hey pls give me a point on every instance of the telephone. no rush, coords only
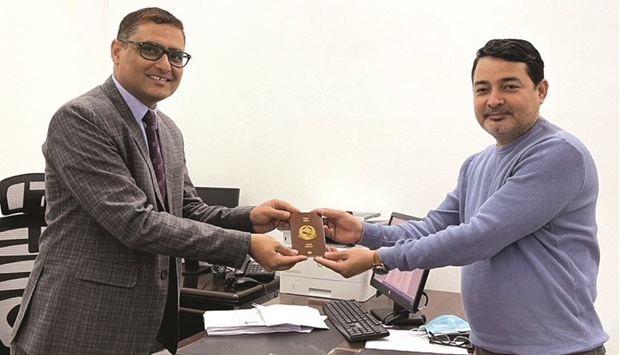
(254, 270)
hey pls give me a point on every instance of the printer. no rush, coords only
(309, 278)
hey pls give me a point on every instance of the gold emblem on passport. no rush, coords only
(307, 232)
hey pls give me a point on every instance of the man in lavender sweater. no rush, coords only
(521, 221)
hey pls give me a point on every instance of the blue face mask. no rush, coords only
(447, 324)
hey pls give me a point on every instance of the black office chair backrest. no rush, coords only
(22, 197)
(22, 202)
(23, 194)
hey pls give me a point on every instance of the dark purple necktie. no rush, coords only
(168, 334)
(155, 151)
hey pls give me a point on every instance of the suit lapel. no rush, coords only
(136, 133)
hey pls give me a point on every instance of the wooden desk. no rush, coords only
(318, 342)
(204, 292)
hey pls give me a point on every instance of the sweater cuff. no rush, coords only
(371, 236)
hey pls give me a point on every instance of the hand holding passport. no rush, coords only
(307, 235)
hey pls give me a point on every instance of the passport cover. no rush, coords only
(307, 235)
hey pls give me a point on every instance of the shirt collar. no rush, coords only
(138, 109)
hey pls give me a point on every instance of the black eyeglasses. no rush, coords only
(460, 341)
(153, 52)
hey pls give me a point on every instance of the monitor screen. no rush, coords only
(404, 288)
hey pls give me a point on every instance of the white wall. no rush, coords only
(352, 104)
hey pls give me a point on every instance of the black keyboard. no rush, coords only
(353, 321)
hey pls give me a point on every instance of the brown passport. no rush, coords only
(307, 234)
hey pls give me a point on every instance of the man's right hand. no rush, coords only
(347, 263)
(273, 255)
(341, 226)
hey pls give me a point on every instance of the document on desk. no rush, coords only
(264, 319)
(408, 340)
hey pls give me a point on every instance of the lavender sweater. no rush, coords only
(521, 222)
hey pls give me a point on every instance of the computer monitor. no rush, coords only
(219, 196)
(404, 288)
(212, 196)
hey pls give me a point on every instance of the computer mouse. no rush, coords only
(245, 281)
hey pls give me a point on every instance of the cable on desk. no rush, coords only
(265, 289)
(425, 301)
(377, 294)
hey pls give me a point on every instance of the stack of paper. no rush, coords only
(264, 319)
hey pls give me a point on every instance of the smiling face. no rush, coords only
(149, 81)
(506, 101)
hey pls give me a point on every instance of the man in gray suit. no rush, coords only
(105, 281)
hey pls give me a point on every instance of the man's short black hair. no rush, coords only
(130, 23)
(514, 50)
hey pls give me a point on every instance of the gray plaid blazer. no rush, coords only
(99, 283)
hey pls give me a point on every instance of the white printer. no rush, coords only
(309, 278)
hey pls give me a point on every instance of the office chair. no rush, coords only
(22, 203)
